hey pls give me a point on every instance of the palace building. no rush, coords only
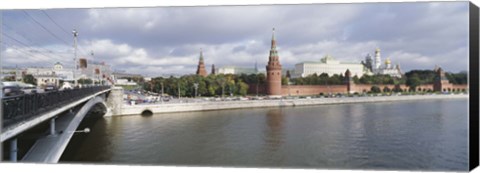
(329, 66)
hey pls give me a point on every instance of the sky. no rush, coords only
(167, 40)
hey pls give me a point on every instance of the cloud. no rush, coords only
(167, 40)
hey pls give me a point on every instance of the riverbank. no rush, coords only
(221, 105)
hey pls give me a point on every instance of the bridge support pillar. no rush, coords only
(13, 150)
(52, 126)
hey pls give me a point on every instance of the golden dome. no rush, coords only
(388, 61)
(377, 50)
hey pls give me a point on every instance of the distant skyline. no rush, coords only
(166, 40)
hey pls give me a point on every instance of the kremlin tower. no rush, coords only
(274, 71)
(201, 66)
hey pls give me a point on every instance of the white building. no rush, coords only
(235, 70)
(95, 71)
(386, 69)
(329, 66)
(43, 80)
(125, 82)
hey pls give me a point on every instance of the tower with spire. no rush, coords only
(213, 69)
(369, 62)
(201, 66)
(378, 61)
(274, 70)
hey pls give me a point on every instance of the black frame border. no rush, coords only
(473, 88)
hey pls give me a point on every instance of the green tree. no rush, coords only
(9, 78)
(375, 89)
(356, 79)
(386, 89)
(85, 81)
(284, 80)
(414, 81)
(242, 88)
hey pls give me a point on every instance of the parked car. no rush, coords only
(50, 87)
(12, 91)
(66, 85)
(29, 88)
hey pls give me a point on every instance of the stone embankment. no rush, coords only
(220, 105)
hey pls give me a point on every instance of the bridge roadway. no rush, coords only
(48, 149)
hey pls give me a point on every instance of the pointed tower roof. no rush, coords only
(273, 34)
(201, 66)
(274, 44)
(201, 55)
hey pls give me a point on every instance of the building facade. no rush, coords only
(329, 66)
(95, 71)
(378, 68)
(235, 70)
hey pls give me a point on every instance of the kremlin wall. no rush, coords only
(274, 88)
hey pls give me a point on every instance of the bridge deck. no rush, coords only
(21, 127)
(50, 148)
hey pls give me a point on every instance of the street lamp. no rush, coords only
(195, 85)
(75, 34)
(86, 130)
(178, 85)
(223, 87)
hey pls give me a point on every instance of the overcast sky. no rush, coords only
(166, 40)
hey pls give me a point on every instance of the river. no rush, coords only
(405, 135)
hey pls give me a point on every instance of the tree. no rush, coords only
(375, 89)
(414, 81)
(397, 89)
(242, 88)
(386, 89)
(9, 78)
(85, 81)
(284, 80)
(421, 76)
(457, 78)
(356, 79)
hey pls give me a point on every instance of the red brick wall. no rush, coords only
(295, 90)
(453, 87)
(252, 89)
(367, 87)
(317, 89)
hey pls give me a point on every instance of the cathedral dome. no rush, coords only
(387, 62)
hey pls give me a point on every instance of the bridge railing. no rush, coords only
(22, 107)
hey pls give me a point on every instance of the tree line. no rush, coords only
(412, 79)
(229, 84)
(195, 85)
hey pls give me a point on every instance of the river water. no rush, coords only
(406, 135)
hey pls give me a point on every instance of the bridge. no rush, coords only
(57, 113)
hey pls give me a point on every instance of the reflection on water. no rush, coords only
(274, 136)
(418, 135)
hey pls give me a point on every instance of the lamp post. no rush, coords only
(195, 85)
(178, 85)
(86, 130)
(223, 87)
(162, 88)
(75, 35)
